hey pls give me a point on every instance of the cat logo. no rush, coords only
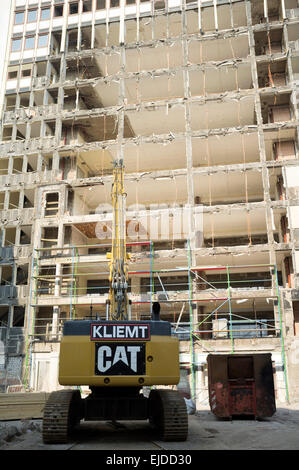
(120, 359)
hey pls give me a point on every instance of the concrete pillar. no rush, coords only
(201, 280)
(55, 322)
(57, 288)
(135, 285)
(204, 326)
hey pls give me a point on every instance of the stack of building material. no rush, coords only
(22, 405)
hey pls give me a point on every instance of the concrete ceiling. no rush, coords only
(235, 223)
(293, 34)
(159, 190)
(225, 150)
(212, 80)
(153, 156)
(214, 150)
(160, 120)
(222, 79)
(155, 88)
(168, 57)
(171, 25)
(223, 15)
(212, 115)
(109, 64)
(277, 135)
(154, 57)
(143, 157)
(229, 187)
(97, 160)
(146, 191)
(107, 92)
(216, 115)
(222, 49)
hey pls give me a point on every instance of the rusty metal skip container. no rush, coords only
(241, 384)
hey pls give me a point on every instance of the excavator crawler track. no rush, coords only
(168, 414)
(61, 414)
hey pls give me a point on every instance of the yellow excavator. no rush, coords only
(117, 357)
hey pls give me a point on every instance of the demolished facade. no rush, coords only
(200, 100)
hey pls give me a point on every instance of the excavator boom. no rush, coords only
(118, 279)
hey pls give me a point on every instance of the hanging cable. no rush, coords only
(176, 198)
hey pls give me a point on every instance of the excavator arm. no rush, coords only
(118, 303)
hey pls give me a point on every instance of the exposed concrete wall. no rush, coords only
(44, 375)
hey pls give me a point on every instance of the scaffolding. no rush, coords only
(222, 294)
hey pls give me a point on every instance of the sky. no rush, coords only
(4, 23)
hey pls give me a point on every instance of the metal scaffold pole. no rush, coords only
(191, 324)
(281, 336)
(75, 282)
(28, 360)
(72, 281)
(151, 272)
(28, 323)
(230, 310)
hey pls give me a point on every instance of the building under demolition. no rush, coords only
(200, 100)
